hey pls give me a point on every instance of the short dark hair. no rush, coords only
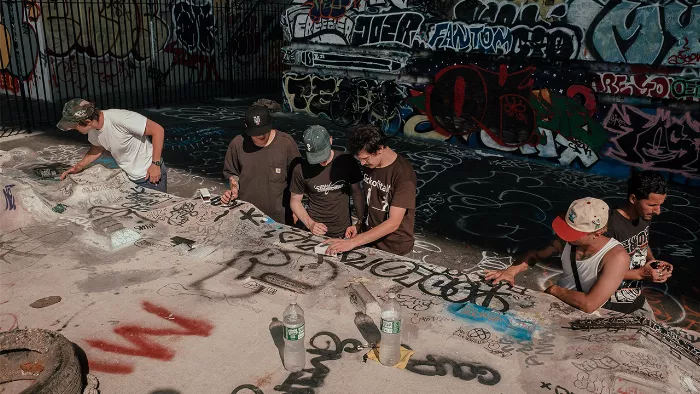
(368, 137)
(643, 183)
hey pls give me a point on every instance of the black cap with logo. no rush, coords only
(257, 121)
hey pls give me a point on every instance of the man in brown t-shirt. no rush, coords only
(390, 187)
(327, 177)
(257, 165)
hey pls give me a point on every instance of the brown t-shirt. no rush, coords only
(262, 172)
(393, 185)
(328, 189)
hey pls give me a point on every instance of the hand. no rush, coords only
(318, 228)
(153, 174)
(351, 232)
(550, 289)
(496, 276)
(665, 267)
(336, 245)
(229, 195)
(73, 170)
(656, 275)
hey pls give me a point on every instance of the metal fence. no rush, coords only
(132, 54)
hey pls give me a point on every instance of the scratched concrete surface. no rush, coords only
(165, 293)
(475, 207)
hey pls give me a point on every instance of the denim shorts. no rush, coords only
(161, 186)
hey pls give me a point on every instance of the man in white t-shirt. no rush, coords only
(593, 264)
(122, 133)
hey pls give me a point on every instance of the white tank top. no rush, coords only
(587, 269)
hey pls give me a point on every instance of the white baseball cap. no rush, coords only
(584, 216)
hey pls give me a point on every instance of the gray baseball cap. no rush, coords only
(318, 144)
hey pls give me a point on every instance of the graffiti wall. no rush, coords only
(600, 85)
(67, 48)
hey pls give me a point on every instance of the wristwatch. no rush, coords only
(158, 163)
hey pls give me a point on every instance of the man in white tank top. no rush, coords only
(600, 262)
(125, 135)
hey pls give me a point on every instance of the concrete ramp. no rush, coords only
(168, 293)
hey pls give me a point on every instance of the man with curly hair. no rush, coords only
(390, 188)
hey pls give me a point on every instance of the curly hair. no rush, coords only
(644, 183)
(367, 137)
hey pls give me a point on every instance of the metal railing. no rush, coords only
(132, 54)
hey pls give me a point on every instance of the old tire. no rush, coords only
(61, 372)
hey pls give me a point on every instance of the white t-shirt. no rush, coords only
(123, 136)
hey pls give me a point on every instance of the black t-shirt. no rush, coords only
(328, 190)
(391, 186)
(262, 172)
(634, 236)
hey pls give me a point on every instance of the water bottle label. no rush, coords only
(391, 327)
(294, 334)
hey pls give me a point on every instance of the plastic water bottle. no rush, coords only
(294, 351)
(390, 346)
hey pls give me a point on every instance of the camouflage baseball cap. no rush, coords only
(75, 111)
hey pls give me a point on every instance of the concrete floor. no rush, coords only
(473, 206)
(475, 211)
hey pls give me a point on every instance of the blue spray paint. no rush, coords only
(510, 325)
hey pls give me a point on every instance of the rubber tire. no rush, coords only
(62, 373)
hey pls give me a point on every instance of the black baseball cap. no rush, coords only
(257, 121)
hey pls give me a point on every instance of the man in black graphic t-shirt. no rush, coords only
(389, 183)
(629, 224)
(328, 178)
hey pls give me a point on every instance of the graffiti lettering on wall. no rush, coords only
(457, 103)
(510, 13)
(298, 25)
(387, 62)
(542, 122)
(533, 31)
(309, 93)
(656, 86)
(654, 139)
(646, 32)
(195, 26)
(396, 28)
(520, 31)
(323, 9)
(566, 132)
(118, 29)
(684, 57)
(142, 344)
(459, 36)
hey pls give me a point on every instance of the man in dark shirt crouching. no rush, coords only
(257, 166)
